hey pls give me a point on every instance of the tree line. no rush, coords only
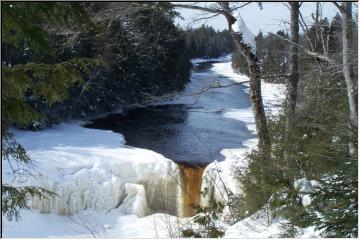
(205, 42)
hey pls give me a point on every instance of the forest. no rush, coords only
(120, 120)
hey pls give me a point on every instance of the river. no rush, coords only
(191, 132)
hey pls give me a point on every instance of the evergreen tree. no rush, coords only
(25, 26)
(205, 42)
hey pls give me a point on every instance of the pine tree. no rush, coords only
(26, 25)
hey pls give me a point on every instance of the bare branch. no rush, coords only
(306, 30)
(194, 20)
(233, 9)
(341, 9)
(226, 12)
(194, 7)
(307, 51)
(286, 5)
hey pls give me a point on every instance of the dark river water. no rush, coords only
(192, 133)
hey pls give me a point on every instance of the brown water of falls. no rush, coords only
(191, 177)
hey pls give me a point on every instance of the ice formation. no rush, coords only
(93, 169)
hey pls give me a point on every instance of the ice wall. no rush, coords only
(219, 178)
(93, 169)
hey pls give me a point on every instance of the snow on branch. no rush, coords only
(240, 27)
(236, 23)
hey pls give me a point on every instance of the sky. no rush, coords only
(273, 17)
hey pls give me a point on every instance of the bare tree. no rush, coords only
(238, 34)
(293, 72)
(351, 81)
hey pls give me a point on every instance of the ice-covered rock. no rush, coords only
(219, 181)
(135, 200)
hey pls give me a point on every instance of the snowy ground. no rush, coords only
(90, 224)
(259, 226)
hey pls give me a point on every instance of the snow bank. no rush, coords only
(255, 226)
(225, 69)
(93, 169)
(273, 94)
(219, 177)
(260, 225)
(90, 224)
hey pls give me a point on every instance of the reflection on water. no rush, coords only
(193, 134)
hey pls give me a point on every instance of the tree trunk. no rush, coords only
(255, 94)
(293, 75)
(255, 84)
(351, 82)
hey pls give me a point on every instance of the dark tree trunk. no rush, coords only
(255, 84)
(255, 93)
(293, 74)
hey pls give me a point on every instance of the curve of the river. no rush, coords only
(192, 132)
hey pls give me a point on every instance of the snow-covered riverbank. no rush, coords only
(219, 176)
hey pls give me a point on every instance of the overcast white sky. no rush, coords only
(271, 18)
